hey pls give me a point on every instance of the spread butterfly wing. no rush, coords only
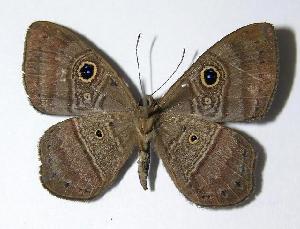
(210, 164)
(234, 80)
(64, 75)
(82, 156)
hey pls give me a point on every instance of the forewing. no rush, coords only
(82, 156)
(65, 75)
(245, 63)
(210, 164)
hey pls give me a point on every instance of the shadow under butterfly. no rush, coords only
(210, 164)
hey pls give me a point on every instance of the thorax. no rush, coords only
(146, 118)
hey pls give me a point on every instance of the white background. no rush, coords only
(113, 26)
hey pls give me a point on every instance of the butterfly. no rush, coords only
(210, 164)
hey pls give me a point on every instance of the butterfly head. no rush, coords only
(149, 104)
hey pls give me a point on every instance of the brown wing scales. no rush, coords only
(82, 156)
(245, 63)
(210, 164)
(64, 75)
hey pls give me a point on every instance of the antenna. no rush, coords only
(172, 73)
(150, 62)
(138, 65)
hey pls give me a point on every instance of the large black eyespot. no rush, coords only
(210, 76)
(87, 71)
(193, 138)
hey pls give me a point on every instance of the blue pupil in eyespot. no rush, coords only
(210, 76)
(87, 71)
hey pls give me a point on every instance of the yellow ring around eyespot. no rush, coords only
(202, 76)
(94, 73)
(195, 141)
